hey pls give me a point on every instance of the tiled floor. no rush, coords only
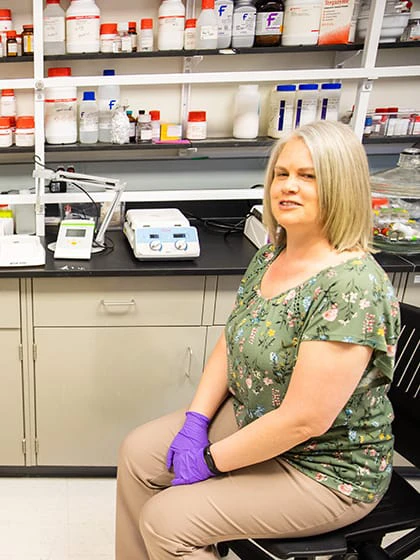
(60, 519)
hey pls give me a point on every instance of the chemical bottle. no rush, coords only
(25, 216)
(6, 136)
(60, 110)
(54, 28)
(12, 49)
(206, 31)
(6, 220)
(132, 121)
(224, 14)
(189, 34)
(243, 24)
(329, 102)
(146, 35)
(82, 27)
(246, 112)
(132, 31)
(306, 104)
(88, 119)
(171, 18)
(155, 119)
(269, 26)
(8, 103)
(144, 128)
(282, 110)
(108, 99)
(301, 22)
(126, 46)
(5, 25)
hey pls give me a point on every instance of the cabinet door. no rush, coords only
(11, 401)
(227, 287)
(93, 385)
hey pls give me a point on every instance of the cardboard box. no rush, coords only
(338, 22)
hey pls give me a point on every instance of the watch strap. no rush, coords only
(211, 465)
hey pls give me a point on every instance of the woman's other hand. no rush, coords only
(190, 466)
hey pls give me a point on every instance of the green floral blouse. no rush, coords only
(351, 302)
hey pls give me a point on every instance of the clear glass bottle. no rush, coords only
(144, 128)
(54, 28)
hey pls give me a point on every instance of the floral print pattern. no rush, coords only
(351, 302)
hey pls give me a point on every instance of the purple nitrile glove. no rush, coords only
(192, 435)
(190, 467)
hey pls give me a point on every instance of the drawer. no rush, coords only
(119, 301)
(227, 286)
(9, 303)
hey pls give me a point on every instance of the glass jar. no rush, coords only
(27, 40)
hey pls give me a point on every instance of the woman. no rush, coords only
(293, 397)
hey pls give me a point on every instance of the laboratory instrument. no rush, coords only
(21, 250)
(161, 234)
(75, 239)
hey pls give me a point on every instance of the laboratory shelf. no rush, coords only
(409, 138)
(26, 58)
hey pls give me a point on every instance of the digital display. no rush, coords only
(154, 236)
(75, 233)
(179, 235)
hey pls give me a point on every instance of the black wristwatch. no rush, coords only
(211, 465)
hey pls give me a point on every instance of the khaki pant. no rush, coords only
(272, 499)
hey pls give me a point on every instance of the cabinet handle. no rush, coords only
(108, 303)
(188, 370)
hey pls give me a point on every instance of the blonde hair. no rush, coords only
(342, 175)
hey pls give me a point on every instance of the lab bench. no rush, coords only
(91, 349)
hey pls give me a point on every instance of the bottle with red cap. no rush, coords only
(11, 43)
(196, 125)
(206, 34)
(5, 25)
(155, 120)
(146, 34)
(60, 110)
(132, 31)
(54, 28)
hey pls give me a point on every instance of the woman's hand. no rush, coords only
(190, 467)
(192, 436)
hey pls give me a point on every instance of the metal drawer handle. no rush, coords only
(188, 370)
(108, 303)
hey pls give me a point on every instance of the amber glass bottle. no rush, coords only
(269, 25)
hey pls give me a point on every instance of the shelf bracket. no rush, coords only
(341, 58)
(361, 106)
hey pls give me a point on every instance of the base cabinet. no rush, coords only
(93, 385)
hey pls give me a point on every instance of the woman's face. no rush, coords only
(294, 189)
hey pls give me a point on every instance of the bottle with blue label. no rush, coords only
(306, 104)
(224, 13)
(329, 102)
(108, 99)
(269, 25)
(243, 26)
(282, 110)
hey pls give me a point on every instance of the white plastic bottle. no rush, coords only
(282, 110)
(88, 119)
(243, 25)
(306, 104)
(54, 28)
(171, 21)
(82, 27)
(246, 112)
(206, 31)
(301, 22)
(224, 14)
(108, 99)
(60, 110)
(329, 102)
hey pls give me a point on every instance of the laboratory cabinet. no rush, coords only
(12, 439)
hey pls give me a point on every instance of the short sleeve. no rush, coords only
(357, 306)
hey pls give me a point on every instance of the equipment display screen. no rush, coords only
(179, 235)
(76, 233)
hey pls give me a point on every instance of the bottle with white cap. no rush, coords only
(246, 112)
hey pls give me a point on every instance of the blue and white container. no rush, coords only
(282, 110)
(329, 102)
(306, 104)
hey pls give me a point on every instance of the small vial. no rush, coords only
(144, 128)
(146, 34)
(132, 31)
(132, 121)
(189, 34)
(11, 44)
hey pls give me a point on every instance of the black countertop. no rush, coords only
(220, 254)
